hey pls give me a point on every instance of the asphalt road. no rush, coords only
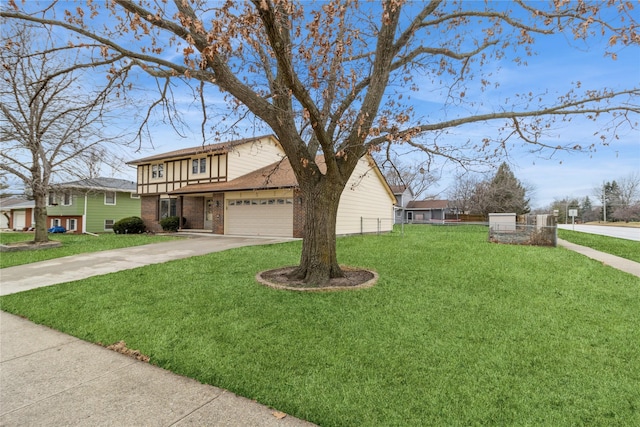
(628, 233)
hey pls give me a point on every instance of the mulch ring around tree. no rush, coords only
(354, 278)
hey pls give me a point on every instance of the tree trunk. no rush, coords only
(40, 215)
(319, 261)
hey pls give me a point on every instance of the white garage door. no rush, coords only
(19, 220)
(260, 217)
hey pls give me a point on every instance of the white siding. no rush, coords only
(248, 157)
(365, 205)
(259, 213)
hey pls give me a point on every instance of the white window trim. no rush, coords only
(105, 224)
(114, 198)
(198, 163)
(75, 227)
(70, 199)
(157, 169)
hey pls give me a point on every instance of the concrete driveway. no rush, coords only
(628, 233)
(76, 267)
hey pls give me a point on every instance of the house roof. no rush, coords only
(428, 204)
(398, 189)
(100, 184)
(223, 147)
(9, 203)
(12, 200)
(276, 175)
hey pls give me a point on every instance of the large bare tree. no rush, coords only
(410, 174)
(335, 77)
(52, 119)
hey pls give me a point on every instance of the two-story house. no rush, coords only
(408, 210)
(403, 195)
(247, 187)
(91, 205)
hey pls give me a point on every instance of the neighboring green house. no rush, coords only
(91, 205)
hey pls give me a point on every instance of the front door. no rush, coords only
(208, 214)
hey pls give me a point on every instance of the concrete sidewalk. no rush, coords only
(51, 379)
(617, 262)
(48, 378)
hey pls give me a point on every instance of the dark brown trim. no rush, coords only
(181, 212)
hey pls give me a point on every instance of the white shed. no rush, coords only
(502, 221)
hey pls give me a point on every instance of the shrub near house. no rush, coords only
(171, 223)
(130, 225)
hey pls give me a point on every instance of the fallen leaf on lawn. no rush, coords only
(279, 415)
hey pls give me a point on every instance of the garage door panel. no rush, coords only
(19, 220)
(260, 218)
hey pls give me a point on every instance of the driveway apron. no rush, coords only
(76, 267)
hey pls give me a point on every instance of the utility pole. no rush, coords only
(604, 202)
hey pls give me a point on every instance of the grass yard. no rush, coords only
(624, 248)
(72, 244)
(458, 331)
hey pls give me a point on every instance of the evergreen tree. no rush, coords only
(610, 199)
(505, 193)
(588, 212)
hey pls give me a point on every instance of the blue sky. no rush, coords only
(560, 61)
(551, 175)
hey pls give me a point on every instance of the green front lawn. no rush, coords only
(458, 331)
(72, 244)
(624, 248)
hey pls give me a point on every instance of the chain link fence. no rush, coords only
(536, 230)
(376, 225)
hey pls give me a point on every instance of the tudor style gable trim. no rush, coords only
(209, 164)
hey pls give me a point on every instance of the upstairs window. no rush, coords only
(199, 166)
(110, 198)
(67, 199)
(51, 200)
(157, 171)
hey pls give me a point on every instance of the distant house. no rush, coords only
(91, 205)
(16, 213)
(427, 210)
(404, 196)
(247, 187)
